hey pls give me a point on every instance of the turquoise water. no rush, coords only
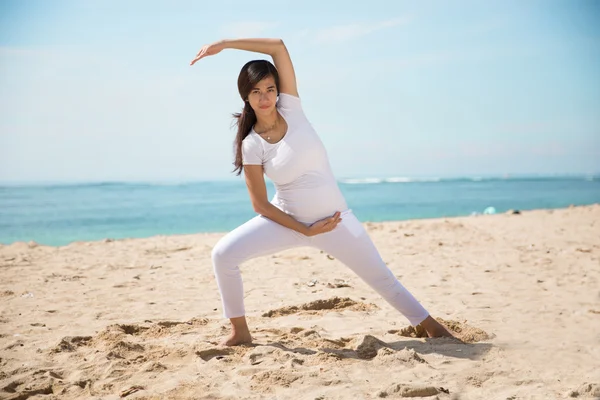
(59, 214)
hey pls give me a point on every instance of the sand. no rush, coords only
(141, 318)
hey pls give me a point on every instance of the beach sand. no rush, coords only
(141, 318)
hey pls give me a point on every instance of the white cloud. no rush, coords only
(246, 29)
(342, 33)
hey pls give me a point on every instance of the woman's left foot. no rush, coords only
(434, 329)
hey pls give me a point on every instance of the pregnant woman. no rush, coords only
(275, 138)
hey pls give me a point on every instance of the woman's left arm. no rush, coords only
(273, 47)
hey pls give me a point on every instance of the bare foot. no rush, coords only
(435, 329)
(240, 334)
(235, 339)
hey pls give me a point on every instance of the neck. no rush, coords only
(263, 122)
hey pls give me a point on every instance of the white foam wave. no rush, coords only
(403, 179)
(362, 181)
(399, 179)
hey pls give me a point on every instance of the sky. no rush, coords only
(96, 90)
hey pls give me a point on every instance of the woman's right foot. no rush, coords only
(235, 339)
(240, 334)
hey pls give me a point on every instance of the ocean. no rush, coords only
(57, 215)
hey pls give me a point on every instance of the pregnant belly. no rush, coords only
(308, 205)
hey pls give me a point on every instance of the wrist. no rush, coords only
(223, 43)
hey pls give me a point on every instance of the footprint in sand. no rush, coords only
(111, 357)
(156, 330)
(259, 354)
(406, 390)
(266, 381)
(318, 350)
(71, 343)
(112, 342)
(214, 352)
(25, 390)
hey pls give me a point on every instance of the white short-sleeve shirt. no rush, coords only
(298, 165)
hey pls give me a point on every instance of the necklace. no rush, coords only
(270, 129)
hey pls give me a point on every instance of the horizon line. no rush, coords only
(338, 179)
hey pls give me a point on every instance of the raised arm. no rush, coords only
(273, 47)
(254, 173)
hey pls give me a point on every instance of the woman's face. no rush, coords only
(263, 96)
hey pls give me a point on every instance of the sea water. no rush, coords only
(59, 214)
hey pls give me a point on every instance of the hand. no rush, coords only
(207, 50)
(325, 225)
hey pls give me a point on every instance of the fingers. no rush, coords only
(332, 222)
(327, 224)
(337, 217)
(196, 59)
(199, 55)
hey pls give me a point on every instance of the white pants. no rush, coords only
(349, 242)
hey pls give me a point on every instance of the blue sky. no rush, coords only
(103, 90)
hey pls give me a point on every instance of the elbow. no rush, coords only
(278, 47)
(260, 207)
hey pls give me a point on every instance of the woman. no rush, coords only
(275, 138)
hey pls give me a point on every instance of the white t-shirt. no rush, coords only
(298, 166)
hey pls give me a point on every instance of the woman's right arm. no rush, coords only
(258, 196)
(273, 47)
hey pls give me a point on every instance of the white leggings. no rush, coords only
(349, 242)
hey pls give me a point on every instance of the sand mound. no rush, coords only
(413, 332)
(460, 330)
(587, 390)
(368, 347)
(334, 303)
(406, 357)
(465, 332)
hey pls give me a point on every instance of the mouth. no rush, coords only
(263, 107)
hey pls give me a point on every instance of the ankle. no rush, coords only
(239, 325)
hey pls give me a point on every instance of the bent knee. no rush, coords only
(218, 254)
(226, 255)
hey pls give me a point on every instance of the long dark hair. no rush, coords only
(252, 72)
